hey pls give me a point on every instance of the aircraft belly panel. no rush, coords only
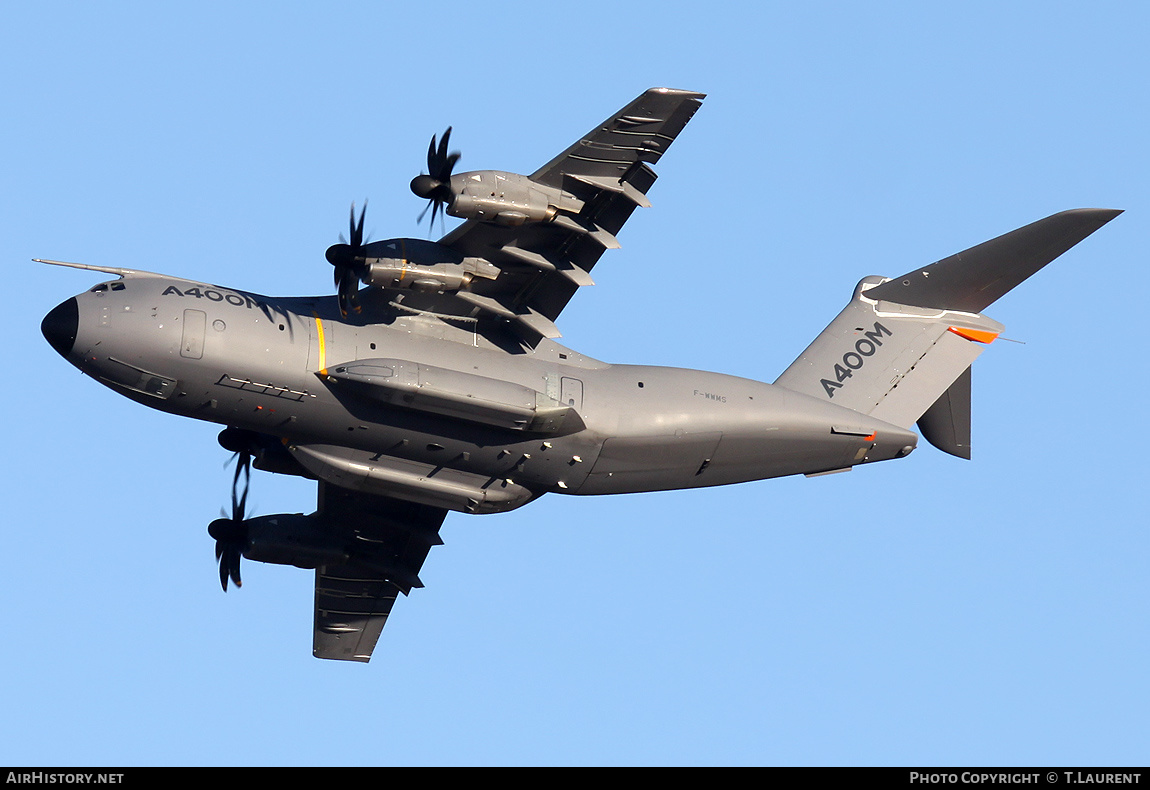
(651, 463)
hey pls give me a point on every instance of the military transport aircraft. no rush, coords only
(440, 386)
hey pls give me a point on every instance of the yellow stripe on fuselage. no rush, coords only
(322, 346)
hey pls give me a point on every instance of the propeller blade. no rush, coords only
(441, 157)
(436, 185)
(223, 568)
(230, 533)
(231, 538)
(350, 267)
(233, 556)
(347, 290)
(449, 165)
(229, 555)
(423, 213)
(245, 467)
(357, 228)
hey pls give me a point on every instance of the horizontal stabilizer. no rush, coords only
(972, 280)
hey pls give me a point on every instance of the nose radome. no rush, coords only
(59, 326)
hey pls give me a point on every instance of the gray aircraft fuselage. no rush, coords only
(419, 408)
(438, 387)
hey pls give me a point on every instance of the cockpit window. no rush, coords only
(102, 287)
(117, 286)
(99, 288)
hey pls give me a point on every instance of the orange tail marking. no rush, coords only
(977, 335)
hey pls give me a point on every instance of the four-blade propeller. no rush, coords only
(435, 187)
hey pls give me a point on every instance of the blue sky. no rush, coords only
(928, 611)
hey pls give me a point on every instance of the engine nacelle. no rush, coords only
(505, 198)
(420, 265)
(291, 539)
(390, 273)
(299, 540)
(268, 452)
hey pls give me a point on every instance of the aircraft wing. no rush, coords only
(389, 540)
(608, 171)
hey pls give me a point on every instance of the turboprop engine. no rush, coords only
(503, 198)
(486, 195)
(405, 263)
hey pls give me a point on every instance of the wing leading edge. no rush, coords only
(388, 541)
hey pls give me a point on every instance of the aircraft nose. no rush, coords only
(59, 326)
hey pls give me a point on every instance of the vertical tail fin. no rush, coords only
(946, 424)
(901, 350)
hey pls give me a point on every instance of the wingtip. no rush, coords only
(678, 92)
(1102, 214)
